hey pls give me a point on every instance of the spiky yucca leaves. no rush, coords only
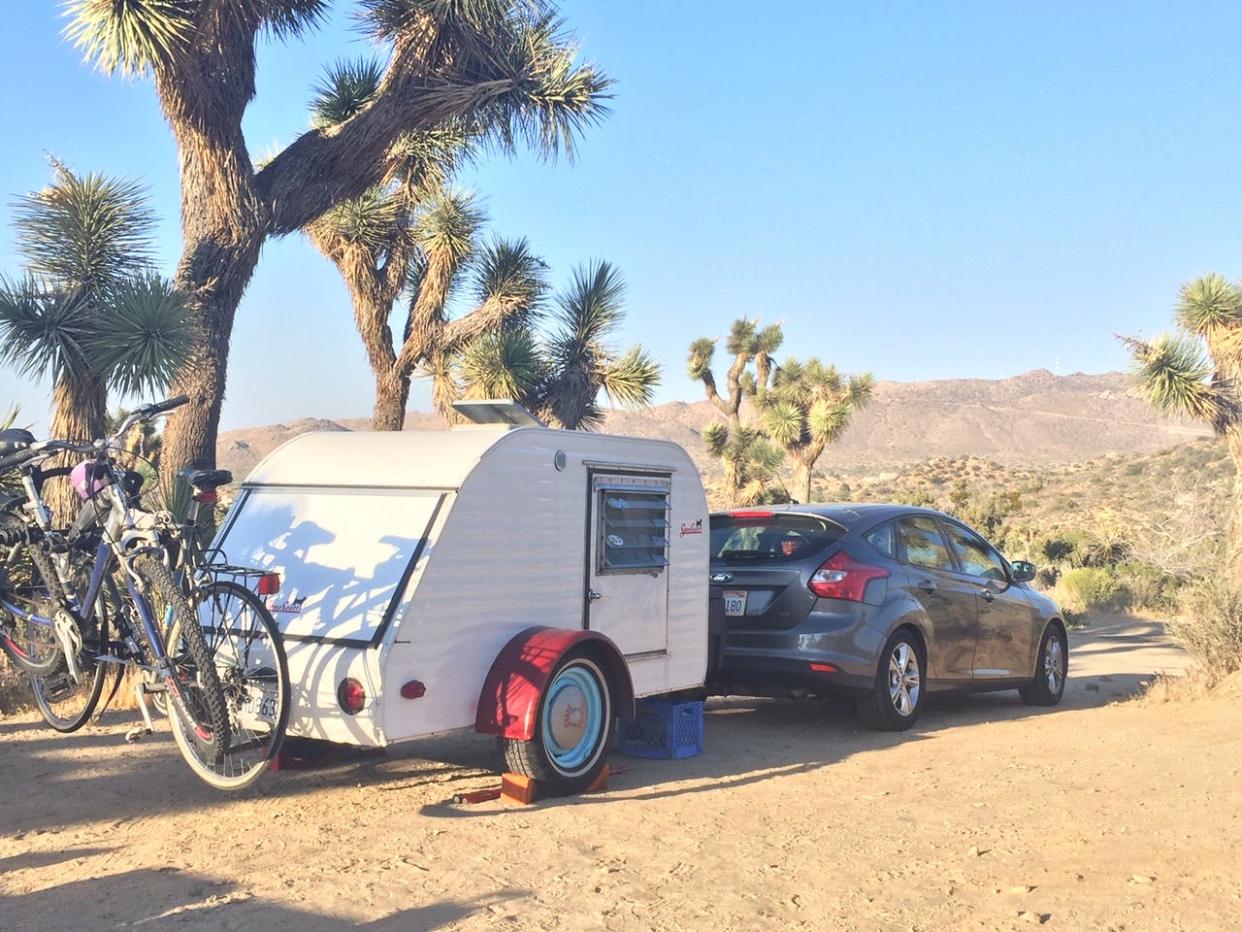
(142, 335)
(1198, 373)
(504, 364)
(1174, 375)
(84, 231)
(581, 361)
(807, 407)
(758, 463)
(346, 87)
(560, 376)
(540, 93)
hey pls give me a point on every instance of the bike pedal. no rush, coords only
(137, 733)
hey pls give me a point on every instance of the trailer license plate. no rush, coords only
(258, 709)
(735, 602)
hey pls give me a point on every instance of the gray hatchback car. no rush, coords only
(884, 603)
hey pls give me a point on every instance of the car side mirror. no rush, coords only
(1023, 571)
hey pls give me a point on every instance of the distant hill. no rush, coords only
(1037, 418)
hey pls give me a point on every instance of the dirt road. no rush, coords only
(1102, 814)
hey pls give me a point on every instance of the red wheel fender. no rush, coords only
(509, 702)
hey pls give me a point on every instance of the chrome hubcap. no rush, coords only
(903, 679)
(1054, 664)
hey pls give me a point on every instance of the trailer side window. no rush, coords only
(633, 530)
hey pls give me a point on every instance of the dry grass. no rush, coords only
(1195, 685)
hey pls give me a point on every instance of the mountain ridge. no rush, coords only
(1036, 417)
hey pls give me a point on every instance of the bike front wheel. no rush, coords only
(249, 657)
(196, 706)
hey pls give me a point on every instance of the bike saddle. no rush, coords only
(14, 440)
(206, 479)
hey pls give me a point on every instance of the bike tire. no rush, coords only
(17, 647)
(55, 694)
(196, 704)
(249, 656)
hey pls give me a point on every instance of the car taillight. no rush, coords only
(351, 696)
(269, 584)
(843, 577)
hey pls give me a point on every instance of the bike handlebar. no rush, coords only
(46, 448)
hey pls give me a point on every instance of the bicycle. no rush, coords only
(242, 640)
(242, 636)
(127, 585)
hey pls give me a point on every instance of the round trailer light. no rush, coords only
(351, 696)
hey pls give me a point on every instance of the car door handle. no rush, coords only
(988, 594)
(927, 585)
(593, 596)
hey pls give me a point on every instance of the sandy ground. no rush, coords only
(1101, 814)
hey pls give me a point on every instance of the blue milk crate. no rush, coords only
(662, 729)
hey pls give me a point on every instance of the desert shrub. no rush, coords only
(1148, 587)
(1046, 577)
(1210, 626)
(1056, 549)
(1090, 587)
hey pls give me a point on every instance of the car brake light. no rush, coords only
(269, 584)
(843, 577)
(351, 696)
(751, 517)
(823, 668)
(413, 690)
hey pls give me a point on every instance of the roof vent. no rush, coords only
(494, 411)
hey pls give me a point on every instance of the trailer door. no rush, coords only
(627, 567)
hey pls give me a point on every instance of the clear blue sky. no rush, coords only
(923, 190)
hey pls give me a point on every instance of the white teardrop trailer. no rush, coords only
(525, 582)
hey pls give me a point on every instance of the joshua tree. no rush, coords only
(1198, 372)
(755, 463)
(746, 344)
(386, 244)
(561, 375)
(807, 407)
(503, 66)
(88, 313)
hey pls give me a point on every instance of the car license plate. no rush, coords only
(259, 709)
(735, 602)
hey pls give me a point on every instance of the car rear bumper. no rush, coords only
(832, 651)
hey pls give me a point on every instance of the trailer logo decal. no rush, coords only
(286, 607)
(696, 528)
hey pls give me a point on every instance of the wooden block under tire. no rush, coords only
(515, 788)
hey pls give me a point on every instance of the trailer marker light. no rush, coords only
(269, 584)
(823, 668)
(351, 696)
(413, 690)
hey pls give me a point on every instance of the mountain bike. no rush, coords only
(127, 586)
(241, 640)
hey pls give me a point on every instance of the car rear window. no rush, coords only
(771, 537)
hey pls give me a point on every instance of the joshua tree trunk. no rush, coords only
(392, 392)
(223, 220)
(802, 478)
(79, 412)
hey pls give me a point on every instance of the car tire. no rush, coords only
(893, 704)
(573, 731)
(1051, 670)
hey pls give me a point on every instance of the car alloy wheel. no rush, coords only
(904, 684)
(1054, 664)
